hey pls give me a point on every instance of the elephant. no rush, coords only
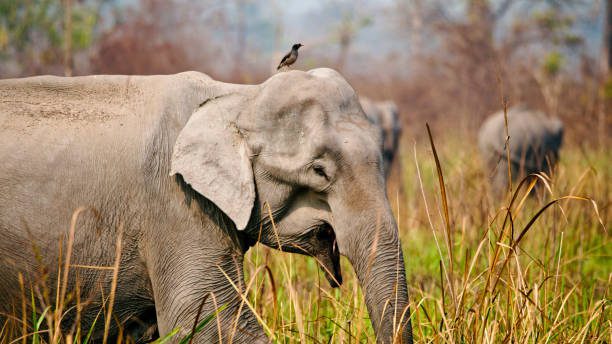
(535, 140)
(385, 116)
(186, 173)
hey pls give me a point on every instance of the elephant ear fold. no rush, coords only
(213, 158)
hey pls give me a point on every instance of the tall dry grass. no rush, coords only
(480, 270)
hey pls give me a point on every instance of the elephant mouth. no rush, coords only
(328, 256)
(320, 242)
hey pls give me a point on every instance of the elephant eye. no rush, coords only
(320, 170)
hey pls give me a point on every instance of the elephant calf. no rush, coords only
(534, 142)
(187, 169)
(385, 116)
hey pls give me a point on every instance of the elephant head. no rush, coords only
(296, 165)
(385, 116)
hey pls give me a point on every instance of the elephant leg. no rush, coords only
(197, 275)
(499, 182)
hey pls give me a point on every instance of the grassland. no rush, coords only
(483, 277)
(546, 281)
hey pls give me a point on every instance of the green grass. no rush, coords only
(553, 287)
(549, 285)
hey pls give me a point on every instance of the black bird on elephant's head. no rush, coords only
(291, 56)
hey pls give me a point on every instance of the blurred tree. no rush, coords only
(607, 40)
(605, 83)
(240, 48)
(416, 26)
(279, 32)
(477, 47)
(160, 37)
(140, 44)
(68, 62)
(347, 31)
(480, 16)
(471, 54)
(32, 34)
(553, 26)
(552, 64)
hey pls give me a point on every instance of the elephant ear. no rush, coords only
(212, 156)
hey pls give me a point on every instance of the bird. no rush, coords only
(291, 56)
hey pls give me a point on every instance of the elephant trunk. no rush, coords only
(375, 252)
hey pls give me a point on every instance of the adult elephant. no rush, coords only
(385, 116)
(187, 169)
(535, 140)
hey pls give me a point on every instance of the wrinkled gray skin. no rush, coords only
(535, 140)
(385, 116)
(187, 167)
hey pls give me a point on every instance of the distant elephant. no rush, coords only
(535, 140)
(187, 169)
(385, 116)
